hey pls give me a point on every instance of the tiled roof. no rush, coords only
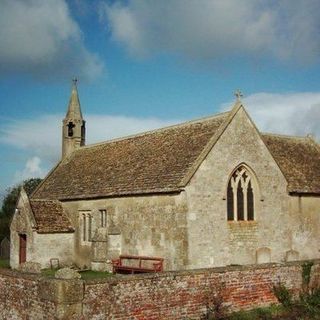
(152, 162)
(299, 161)
(50, 217)
(159, 161)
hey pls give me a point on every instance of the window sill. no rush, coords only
(242, 223)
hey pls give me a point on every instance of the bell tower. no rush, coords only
(73, 125)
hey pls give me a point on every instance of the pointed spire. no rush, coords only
(73, 125)
(74, 109)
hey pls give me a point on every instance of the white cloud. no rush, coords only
(287, 29)
(32, 169)
(290, 113)
(41, 38)
(43, 135)
(40, 138)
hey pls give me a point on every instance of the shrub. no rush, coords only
(283, 295)
(306, 273)
(310, 302)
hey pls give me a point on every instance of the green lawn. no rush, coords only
(306, 307)
(274, 313)
(48, 272)
(271, 313)
(4, 264)
(86, 275)
(89, 275)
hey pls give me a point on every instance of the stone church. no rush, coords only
(209, 192)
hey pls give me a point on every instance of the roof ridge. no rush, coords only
(141, 134)
(281, 135)
(212, 141)
(43, 200)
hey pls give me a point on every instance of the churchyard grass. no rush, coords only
(85, 275)
(48, 272)
(306, 307)
(4, 263)
(90, 275)
(274, 312)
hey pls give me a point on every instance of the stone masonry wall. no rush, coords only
(170, 295)
(147, 225)
(281, 222)
(40, 247)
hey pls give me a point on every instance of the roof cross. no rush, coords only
(238, 94)
(74, 80)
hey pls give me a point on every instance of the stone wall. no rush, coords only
(305, 217)
(143, 225)
(282, 223)
(170, 295)
(42, 247)
(54, 245)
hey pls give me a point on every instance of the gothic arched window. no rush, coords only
(240, 196)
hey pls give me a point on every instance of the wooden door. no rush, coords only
(22, 248)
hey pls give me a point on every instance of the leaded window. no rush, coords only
(240, 196)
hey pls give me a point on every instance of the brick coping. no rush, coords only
(180, 273)
(190, 272)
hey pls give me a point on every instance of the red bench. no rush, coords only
(137, 264)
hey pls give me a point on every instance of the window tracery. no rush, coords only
(240, 196)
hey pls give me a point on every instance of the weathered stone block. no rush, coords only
(30, 267)
(69, 311)
(292, 255)
(67, 273)
(61, 291)
(99, 266)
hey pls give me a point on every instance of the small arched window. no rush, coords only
(70, 126)
(86, 227)
(240, 196)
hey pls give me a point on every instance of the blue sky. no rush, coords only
(144, 64)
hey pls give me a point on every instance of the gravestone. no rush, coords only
(263, 255)
(292, 255)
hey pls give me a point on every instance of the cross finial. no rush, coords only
(74, 81)
(238, 94)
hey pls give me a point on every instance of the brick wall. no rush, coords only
(20, 299)
(170, 295)
(185, 295)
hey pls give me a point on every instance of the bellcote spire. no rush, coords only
(74, 109)
(73, 130)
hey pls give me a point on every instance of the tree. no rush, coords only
(10, 201)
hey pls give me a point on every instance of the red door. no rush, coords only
(22, 248)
